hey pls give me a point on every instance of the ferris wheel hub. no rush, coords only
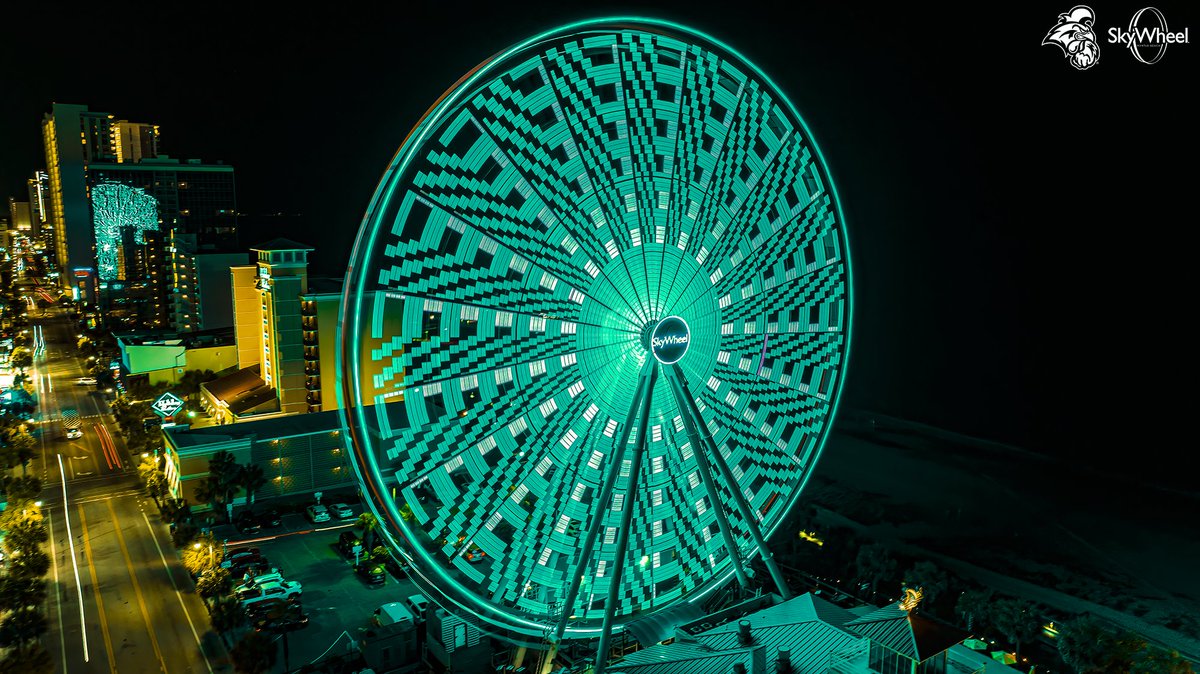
(669, 340)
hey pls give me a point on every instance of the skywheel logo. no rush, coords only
(1147, 36)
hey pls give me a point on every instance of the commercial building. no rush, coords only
(158, 358)
(299, 454)
(806, 635)
(39, 190)
(20, 216)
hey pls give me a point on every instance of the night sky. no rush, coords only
(1022, 233)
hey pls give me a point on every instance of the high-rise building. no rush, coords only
(201, 297)
(19, 216)
(73, 137)
(282, 279)
(38, 186)
(133, 141)
(318, 321)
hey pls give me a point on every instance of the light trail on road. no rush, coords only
(74, 563)
(178, 595)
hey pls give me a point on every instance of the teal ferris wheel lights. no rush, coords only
(604, 198)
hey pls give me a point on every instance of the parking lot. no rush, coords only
(336, 600)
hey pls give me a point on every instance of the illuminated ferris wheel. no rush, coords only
(594, 331)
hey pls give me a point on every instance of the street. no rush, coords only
(119, 600)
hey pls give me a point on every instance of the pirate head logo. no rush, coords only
(1074, 35)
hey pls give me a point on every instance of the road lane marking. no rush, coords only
(87, 549)
(171, 577)
(74, 563)
(62, 636)
(137, 587)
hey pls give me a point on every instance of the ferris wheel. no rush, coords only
(594, 330)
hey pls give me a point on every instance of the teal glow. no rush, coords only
(543, 217)
(116, 208)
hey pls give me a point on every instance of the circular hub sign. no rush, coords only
(669, 341)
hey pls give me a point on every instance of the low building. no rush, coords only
(808, 635)
(238, 396)
(299, 454)
(164, 357)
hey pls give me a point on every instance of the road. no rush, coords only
(120, 600)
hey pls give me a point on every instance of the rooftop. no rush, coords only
(189, 340)
(281, 244)
(324, 286)
(241, 391)
(264, 429)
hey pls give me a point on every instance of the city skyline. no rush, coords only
(988, 261)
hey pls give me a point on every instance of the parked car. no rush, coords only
(317, 514)
(372, 573)
(417, 604)
(268, 607)
(289, 619)
(247, 523)
(260, 579)
(232, 555)
(341, 511)
(397, 567)
(285, 589)
(270, 519)
(346, 542)
(253, 566)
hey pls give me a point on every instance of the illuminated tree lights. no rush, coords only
(596, 329)
(117, 208)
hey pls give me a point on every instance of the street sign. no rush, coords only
(167, 405)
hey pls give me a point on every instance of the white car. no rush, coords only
(341, 511)
(85, 381)
(74, 433)
(285, 589)
(317, 513)
(418, 604)
(258, 581)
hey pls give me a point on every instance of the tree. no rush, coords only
(367, 522)
(222, 482)
(28, 564)
(157, 486)
(1086, 646)
(251, 478)
(20, 627)
(202, 554)
(26, 535)
(226, 615)
(177, 511)
(17, 511)
(34, 660)
(23, 487)
(183, 534)
(20, 448)
(875, 565)
(21, 358)
(973, 606)
(254, 654)
(1016, 620)
(1151, 660)
(19, 593)
(927, 576)
(214, 583)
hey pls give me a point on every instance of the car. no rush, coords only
(247, 523)
(74, 433)
(371, 572)
(252, 565)
(268, 607)
(234, 555)
(397, 567)
(260, 579)
(341, 511)
(85, 381)
(347, 542)
(270, 519)
(288, 619)
(417, 604)
(317, 513)
(288, 590)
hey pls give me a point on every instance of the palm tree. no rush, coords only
(212, 492)
(1017, 621)
(927, 576)
(1087, 646)
(254, 654)
(367, 522)
(19, 593)
(875, 564)
(226, 615)
(223, 480)
(22, 626)
(973, 606)
(251, 478)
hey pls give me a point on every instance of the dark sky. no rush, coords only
(1022, 233)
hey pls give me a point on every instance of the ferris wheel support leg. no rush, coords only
(610, 482)
(709, 485)
(676, 374)
(649, 374)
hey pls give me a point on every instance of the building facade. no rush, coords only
(201, 292)
(163, 358)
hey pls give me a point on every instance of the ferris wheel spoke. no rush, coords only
(516, 312)
(687, 402)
